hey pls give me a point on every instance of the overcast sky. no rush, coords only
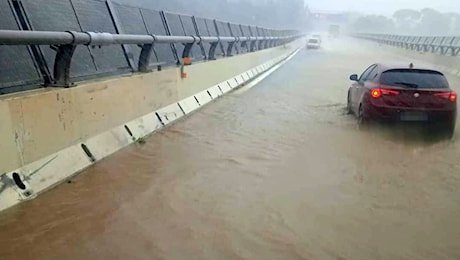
(382, 6)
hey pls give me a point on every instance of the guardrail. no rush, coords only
(444, 45)
(65, 44)
(45, 37)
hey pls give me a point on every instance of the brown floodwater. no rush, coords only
(278, 171)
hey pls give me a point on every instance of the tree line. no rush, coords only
(427, 22)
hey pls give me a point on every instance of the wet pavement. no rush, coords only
(278, 171)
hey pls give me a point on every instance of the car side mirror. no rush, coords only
(354, 77)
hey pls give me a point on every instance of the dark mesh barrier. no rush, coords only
(271, 32)
(235, 30)
(202, 30)
(94, 16)
(253, 30)
(154, 24)
(16, 63)
(448, 41)
(175, 28)
(265, 33)
(23, 67)
(259, 31)
(132, 22)
(254, 33)
(223, 30)
(189, 29)
(213, 31)
(58, 15)
(246, 30)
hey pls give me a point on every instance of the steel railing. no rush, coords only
(444, 45)
(65, 44)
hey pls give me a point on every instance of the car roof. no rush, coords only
(400, 65)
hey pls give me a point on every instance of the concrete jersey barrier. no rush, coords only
(76, 127)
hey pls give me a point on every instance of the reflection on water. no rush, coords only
(277, 172)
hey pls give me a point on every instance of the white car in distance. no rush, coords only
(313, 43)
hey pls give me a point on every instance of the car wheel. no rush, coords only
(349, 108)
(363, 122)
(449, 130)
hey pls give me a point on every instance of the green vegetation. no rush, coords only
(428, 22)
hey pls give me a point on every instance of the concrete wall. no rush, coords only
(48, 126)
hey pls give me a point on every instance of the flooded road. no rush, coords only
(278, 171)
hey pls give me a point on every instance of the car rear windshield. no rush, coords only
(413, 78)
(313, 41)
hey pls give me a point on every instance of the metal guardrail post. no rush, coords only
(253, 45)
(188, 49)
(62, 63)
(261, 44)
(212, 50)
(144, 57)
(230, 48)
(452, 48)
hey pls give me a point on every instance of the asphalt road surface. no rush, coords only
(277, 171)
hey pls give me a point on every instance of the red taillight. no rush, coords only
(378, 92)
(389, 92)
(452, 96)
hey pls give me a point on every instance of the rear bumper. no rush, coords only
(396, 114)
(313, 46)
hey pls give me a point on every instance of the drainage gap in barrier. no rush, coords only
(129, 132)
(197, 101)
(159, 118)
(237, 83)
(220, 89)
(17, 180)
(209, 94)
(88, 152)
(230, 85)
(247, 74)
(181, 109)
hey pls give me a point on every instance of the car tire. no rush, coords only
(349, 108)
(449, 130)
(363, 122)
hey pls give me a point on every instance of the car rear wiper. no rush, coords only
(410, 85)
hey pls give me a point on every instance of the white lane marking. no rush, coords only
(264, 75)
